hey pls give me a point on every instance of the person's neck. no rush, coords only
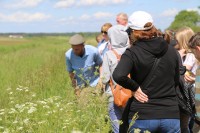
(82, 53)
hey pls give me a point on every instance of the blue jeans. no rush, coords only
(156, 126)
(115, 114)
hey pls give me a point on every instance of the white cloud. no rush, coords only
(194, 9)
(169, 13)
(101, 15)
(64, 3)
(24, 4)
(99, 2)
(85, 18)
(70, 3)
(23, 17)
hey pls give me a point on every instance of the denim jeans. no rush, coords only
(115, 114)
(156, 126)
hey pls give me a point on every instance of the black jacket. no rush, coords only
(138, 61)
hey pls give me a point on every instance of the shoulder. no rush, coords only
(90, 47)
(68, 53)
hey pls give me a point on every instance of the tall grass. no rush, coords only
(36, 93)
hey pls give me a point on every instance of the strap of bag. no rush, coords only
(116, 54)
(149, 76)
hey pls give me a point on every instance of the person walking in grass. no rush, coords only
(83, 63)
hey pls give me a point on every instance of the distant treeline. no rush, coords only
(50, 34)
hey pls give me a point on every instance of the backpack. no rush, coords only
(120, 94)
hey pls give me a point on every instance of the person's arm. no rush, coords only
(120, 75)
(189, 62)
(73, 80)
(105, 72)
(70, 70)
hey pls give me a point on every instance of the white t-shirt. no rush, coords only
(190, 60)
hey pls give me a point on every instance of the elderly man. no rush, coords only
(83, 63)
(122, 19)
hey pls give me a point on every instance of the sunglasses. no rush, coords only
(105, 32)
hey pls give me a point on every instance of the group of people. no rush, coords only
(152, 59)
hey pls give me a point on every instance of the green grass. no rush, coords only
(36, 93)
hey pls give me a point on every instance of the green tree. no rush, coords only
(186, 18)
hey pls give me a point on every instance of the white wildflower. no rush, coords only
(6, 131)
(33, 95)
(2, 113)
(31, 110)
(76, 131)
(64, 127)
(12, 111)
(78, 111)
(26, 121)
(70, 103)
(46, 106)
(41, 122)
(18, 89)
(20, 128)
(2, 110)
(42, 102)
(11, 93)
(15, 122)
(8, 89)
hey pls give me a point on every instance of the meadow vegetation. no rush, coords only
(36, 93)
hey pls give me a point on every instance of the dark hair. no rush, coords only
(194, 40)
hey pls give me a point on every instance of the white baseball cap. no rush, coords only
(138, 19)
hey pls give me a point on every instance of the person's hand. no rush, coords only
(140, 96)
(101, 86)
(77, 91)
(189, 77)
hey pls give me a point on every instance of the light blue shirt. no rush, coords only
(86, 68)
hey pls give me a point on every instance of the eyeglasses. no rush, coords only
(105, 32)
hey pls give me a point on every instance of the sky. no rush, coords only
(61, 16)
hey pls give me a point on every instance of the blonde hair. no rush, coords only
(183, 36)
(99, 37)
(106, 26)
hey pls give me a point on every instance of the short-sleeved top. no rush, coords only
(86, 68)
(190, 60)
(103, 47)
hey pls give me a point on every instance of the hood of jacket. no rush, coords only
(118, 37)
(156, 46)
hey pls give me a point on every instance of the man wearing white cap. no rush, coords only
(154, 69)
(83, 63)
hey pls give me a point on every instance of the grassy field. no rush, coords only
(36, 95)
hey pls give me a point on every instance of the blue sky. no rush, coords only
(33, 16)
